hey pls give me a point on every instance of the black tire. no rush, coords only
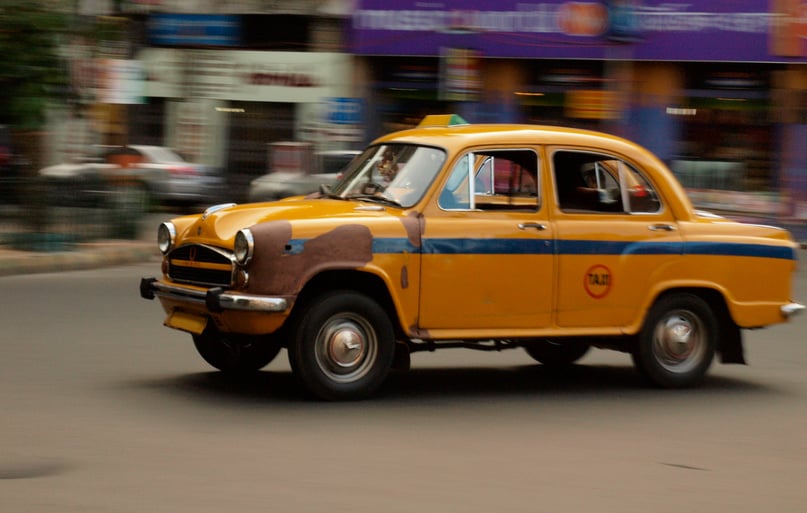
(677, 343)
(342, 346)
(235, 354)
(556, 354)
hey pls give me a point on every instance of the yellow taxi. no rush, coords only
(485, 237)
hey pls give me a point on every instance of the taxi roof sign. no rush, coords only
(442, 120)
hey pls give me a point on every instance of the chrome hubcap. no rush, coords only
(678, 343)
(346, 347)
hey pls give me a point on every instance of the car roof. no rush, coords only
(338, 153)
(453, 137)
(160, 153)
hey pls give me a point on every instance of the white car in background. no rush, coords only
(326, 169)
(158, 172)
(174, 180)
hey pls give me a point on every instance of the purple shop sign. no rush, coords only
(704, 30)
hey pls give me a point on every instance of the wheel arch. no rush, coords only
(729, 343)
(366, 283)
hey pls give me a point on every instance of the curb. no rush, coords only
(91, 255)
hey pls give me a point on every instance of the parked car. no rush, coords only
(585, 240)
(159, 174)
(326, 170)
(175, 180)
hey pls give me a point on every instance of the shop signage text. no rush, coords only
(626, 29)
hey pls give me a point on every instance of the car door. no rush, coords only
(488, 249)
(616, 237)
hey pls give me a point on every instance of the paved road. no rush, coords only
(106, 411)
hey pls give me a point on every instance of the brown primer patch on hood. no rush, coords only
(276, 269)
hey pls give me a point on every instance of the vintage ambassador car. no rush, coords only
(477, 236)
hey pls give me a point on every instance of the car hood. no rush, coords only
(216, 226)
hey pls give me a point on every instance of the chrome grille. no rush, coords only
(198, 264)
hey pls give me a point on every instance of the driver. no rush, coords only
(387, 167)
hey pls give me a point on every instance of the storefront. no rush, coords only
(223, 107)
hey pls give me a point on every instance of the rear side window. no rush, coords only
(589, 182)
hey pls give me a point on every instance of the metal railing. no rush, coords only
(38, 214)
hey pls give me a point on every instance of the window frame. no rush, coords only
(472, 171)
(624, 168)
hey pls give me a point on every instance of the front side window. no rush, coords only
(493, 180)
(398, 174)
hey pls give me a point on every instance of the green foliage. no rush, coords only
(31, 70)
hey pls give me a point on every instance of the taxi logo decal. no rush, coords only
(597, 281)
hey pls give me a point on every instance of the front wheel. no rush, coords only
(677, 342)
(556, 354)
(235, 354)
(342, 347)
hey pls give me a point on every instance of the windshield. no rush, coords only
(159, 153)
(391, 173)
(333, 163)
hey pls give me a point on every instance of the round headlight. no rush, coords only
(166, 236)
(244, 245)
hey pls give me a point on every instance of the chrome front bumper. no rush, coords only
(215, 299)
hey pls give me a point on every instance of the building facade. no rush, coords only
(217, 81)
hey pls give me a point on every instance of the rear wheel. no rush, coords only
(343, 346)
(677, 343)
(235, 354)
(556, 354)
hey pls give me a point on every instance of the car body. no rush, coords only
(326, 170)
(159, 172)
(419, 248)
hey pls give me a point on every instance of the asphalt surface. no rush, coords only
(108, 411)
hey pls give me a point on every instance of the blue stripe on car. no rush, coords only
(468, 246)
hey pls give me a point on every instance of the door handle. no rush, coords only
(534, 226)
(661, 227)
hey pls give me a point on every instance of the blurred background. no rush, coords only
(122, 107)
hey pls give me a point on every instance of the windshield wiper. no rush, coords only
(325, 190)
(375, 197)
